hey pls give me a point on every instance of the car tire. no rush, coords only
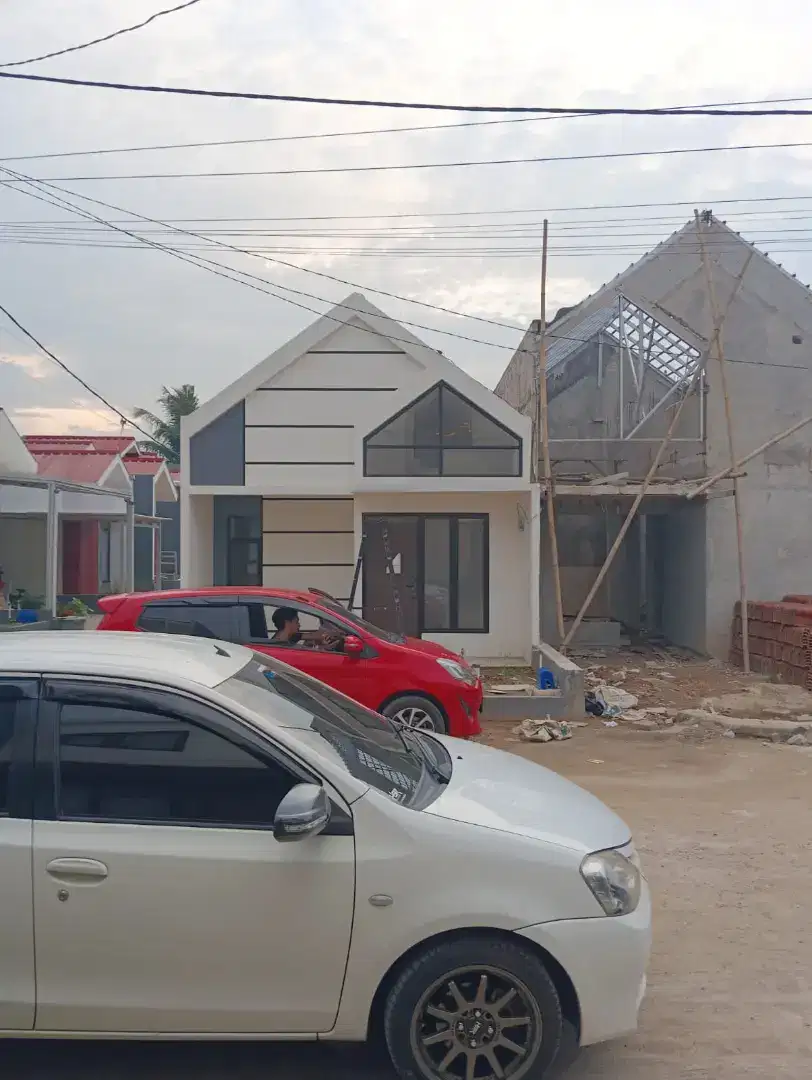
(417, 711)
(440, 996)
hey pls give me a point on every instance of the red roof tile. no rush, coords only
(106, 444)
(77, 466)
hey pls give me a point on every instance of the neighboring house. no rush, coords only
(156, 503)
(618, 365)
(356, 429)
(65, 520)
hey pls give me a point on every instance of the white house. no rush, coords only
(355, 437)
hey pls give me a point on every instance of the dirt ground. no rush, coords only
(724, 827)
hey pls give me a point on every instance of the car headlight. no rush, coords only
(614, 881)
(457, 670)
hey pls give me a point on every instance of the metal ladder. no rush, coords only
(390, 572)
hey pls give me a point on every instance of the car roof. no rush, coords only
(228, 590)
(163, 658)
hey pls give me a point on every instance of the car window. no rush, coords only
(317, 632)
(132, 765)
(370, 747)
(195, 620)
(7, 711)
(362, 624)
(17, 708)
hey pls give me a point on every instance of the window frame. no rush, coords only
(441, 446)
(170, 703)
(347, 629)
(105, 553)
(235, 634)
(454, 520)
(234, 543)
(21, 765)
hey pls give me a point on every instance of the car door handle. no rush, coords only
(78, 871)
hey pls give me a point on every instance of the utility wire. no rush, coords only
(72, 373)
(547, 211)
(100, 40)
(197, 261)
(553, 110)
(330, 169)
(347, 134)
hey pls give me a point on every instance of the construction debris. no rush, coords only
(542, 730)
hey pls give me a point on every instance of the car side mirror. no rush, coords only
(304, 812)
(353, 646)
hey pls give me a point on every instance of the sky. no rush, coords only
(129, 318)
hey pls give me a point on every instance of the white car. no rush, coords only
(200, 842)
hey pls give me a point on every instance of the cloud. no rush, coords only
(82, 418)
(133, 319)
(33, 364)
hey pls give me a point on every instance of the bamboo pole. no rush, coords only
(624, 528)
(712, 480)
(544, 439)
(720, 356)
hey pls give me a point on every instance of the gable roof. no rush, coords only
(15, 457)
(153, 465)
(354, 309)
(110, 444)
(729, 247)
(77, 466)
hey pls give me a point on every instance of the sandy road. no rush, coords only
(725, 831)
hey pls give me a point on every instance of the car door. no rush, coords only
(18, 710)
(349, 674)
(162, 901)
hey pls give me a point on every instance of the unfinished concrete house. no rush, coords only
(619, 363)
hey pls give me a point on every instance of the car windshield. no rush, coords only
(371, 748)
(362, 624)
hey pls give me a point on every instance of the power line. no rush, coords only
(330, 169)
(100, 40)
(220, 272)
(699, 201)
(553, 110)
(346, 134)
(73, 375)
(226, 271)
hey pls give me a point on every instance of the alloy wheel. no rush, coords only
(415, 718)
(476, 1023)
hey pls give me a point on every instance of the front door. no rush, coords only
(162, 901)
(391, 573)
(18, 703)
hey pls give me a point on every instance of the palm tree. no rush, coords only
(175, 402)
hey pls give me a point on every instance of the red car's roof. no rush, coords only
(243, 590)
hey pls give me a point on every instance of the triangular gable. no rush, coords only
(115, 477)
(15, 457)
(671, 265)
(354, 309)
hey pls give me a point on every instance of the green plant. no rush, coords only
(76, 608)
(175, 402)
(24, 600)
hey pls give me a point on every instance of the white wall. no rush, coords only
(308, 543)
(511, 609)
(299, 426)
(196, 540)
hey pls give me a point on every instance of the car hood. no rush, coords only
(502, 791)
(431, 648)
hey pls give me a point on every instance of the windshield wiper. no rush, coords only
(415, 745)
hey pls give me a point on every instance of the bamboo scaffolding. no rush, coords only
(624, 528)
(723, 473)
(544, 439)
(720, 356)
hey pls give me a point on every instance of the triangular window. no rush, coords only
(442, 433)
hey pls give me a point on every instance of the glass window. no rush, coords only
(195, 620)
(7, 714)
(455, 574)
(471, 573)
(369, 745)
(442, 434)
(437, 574)
(118, 764)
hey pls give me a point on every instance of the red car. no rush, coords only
(417, 682)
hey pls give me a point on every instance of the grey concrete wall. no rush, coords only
(145, 572)
(170, 526)
(144, 495)
(226, 506)
(217, 452)
(685, 574)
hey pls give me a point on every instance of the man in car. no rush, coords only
(288, 632)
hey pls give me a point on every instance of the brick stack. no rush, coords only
(780, 636)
